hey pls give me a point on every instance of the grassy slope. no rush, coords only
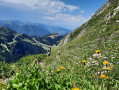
(98, 36)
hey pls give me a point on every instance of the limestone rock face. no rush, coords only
(66, 39)
(101, 9)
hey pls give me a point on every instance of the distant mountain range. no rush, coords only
(13, 46)
(33, 29)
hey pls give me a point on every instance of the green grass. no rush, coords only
(30, 74)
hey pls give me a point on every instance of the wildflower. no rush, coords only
(102, 76)
(105, 62)
(108, 48)
(84, 61)
(97, 51)
(103, 67)
(34, 58)
(111, 66)
(107, 77)
(93, 75)
(117, 62)
(68, 68)
(58, 69)
(107, 68)
(62, 68)
(75, 88)
(112, 57)
(97, 55)
(39, 61)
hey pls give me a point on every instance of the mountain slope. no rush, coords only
(86, 59)
(101, 33)
(32, 29)
(14, 46)
(49, 39)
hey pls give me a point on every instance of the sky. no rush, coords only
(63, 13)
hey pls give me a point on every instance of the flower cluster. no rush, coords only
(75, 88)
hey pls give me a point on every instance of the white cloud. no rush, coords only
(49, 18)
(71, 8)
(67, 18)
(53, 11)
(82, 11)
(44, 6)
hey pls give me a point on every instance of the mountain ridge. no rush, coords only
(13, 45)
(78, 31)
(33, 28)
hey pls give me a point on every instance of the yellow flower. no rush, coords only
(105, 62)
(68, 68)
(62, 68)
(75, 88)
(84, 61)
(58, 69)
(102, 76)
(93, 75)
(107, 68)
(97, 51)
(111, 66)
(107, 78)
(108, 48)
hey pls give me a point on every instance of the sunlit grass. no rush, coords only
(90, 62)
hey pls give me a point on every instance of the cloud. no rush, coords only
(49, 18)
(44, 6)
(82, 11)
(47, 11)
(67, 18)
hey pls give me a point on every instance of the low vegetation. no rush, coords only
(88, 62)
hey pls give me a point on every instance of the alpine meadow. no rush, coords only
(85, 59)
